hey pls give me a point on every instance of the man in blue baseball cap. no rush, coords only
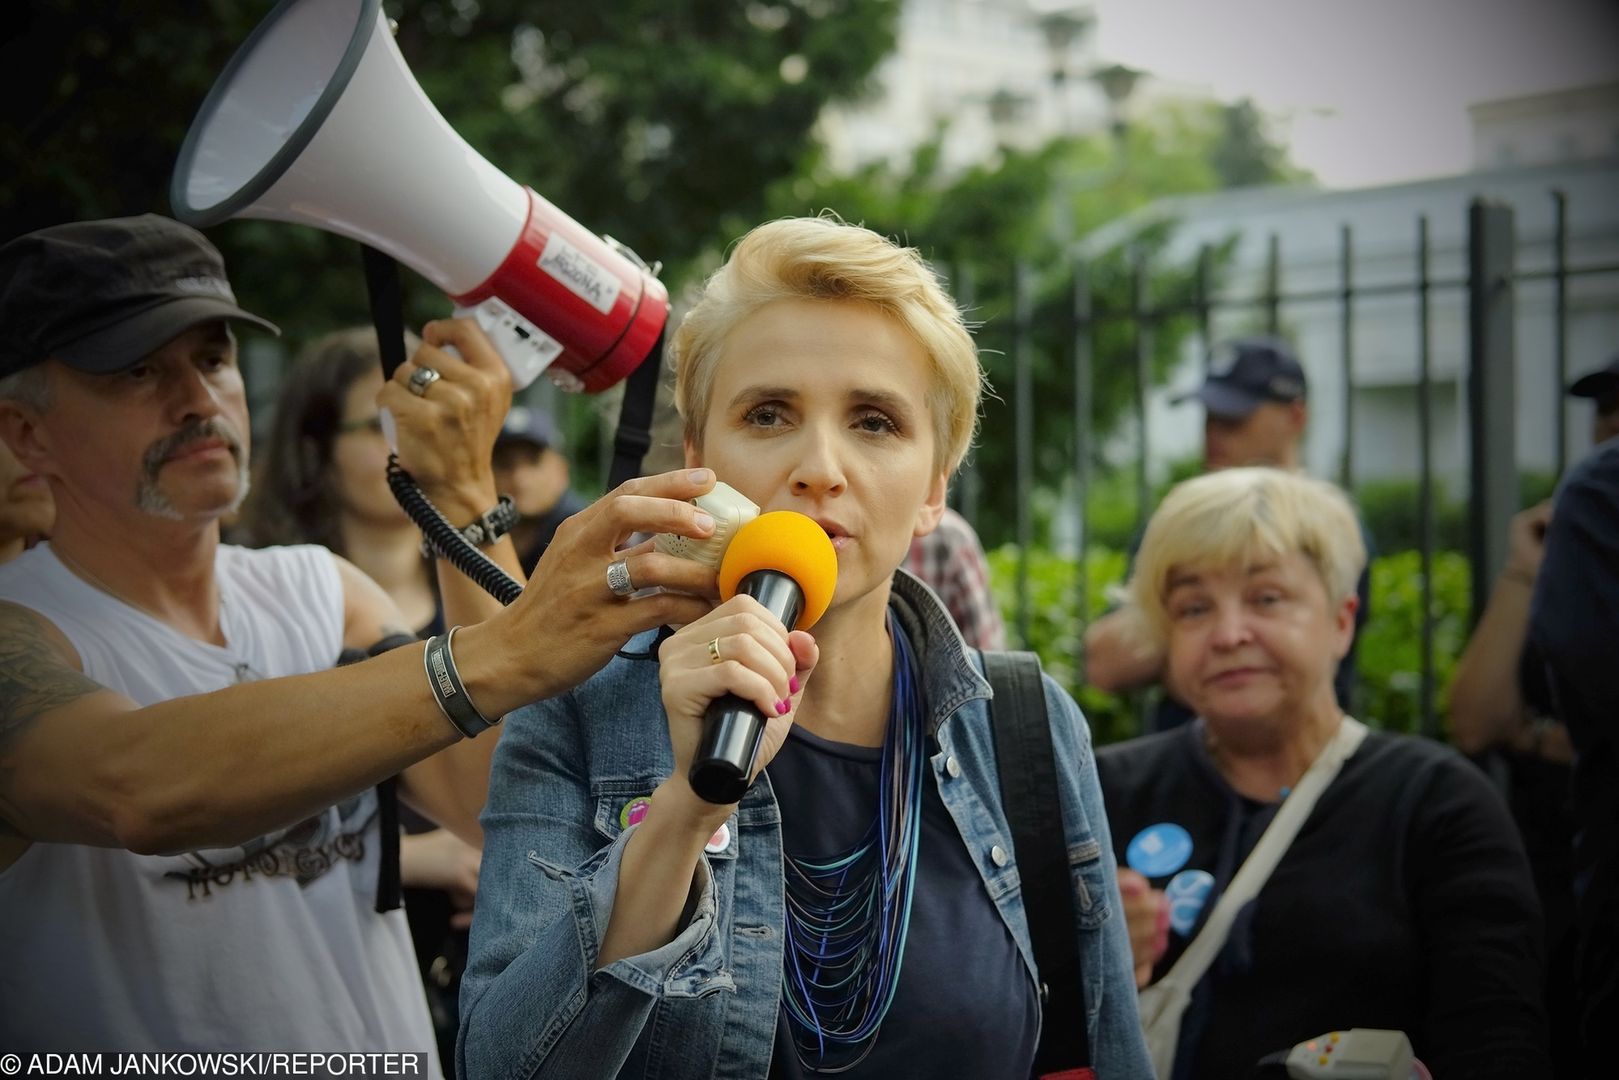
(1255, 410)
(1254, 402)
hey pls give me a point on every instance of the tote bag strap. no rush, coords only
(1163, 1003)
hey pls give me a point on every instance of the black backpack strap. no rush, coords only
(1033, 805)
(387, 307)
(634, 436)
(388, 897)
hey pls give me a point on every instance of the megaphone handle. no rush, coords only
(390, 429)
(527, 350)
(388, 319)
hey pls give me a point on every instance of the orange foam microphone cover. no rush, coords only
(789, 543)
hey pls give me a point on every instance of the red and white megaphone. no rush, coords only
(317, 120)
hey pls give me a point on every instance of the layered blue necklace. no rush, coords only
(848, 915)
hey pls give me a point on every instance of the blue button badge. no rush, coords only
(1187, 891)
(1159, 850)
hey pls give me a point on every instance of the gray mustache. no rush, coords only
(171, 444)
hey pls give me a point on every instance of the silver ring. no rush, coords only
(421, 379)
(618, 579)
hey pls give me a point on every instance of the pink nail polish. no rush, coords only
(782, 707)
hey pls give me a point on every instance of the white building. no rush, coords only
(1567, 142)
(956, 63)
(1547, 129)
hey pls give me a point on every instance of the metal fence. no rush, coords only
(1490, 285)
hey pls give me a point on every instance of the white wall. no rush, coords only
(1383, 221)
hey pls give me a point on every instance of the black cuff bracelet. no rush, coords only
(448, 689)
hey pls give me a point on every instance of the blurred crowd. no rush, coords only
(249, 793)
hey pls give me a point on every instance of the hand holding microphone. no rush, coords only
(730, 678)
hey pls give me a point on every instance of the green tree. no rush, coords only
(1244, 154)
(657, 121)
(978, 224)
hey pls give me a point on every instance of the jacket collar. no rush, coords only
(949, 671)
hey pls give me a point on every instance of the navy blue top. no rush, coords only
(964, 1006)
(1404, 902)
(567, 506)
(1571, 644)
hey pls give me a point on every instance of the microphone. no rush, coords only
(786, 562)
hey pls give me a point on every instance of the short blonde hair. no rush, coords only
(1229, 517)
(826, 259)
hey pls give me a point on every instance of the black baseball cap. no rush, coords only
(1599, 383)
(1247, 372)
(100, 295)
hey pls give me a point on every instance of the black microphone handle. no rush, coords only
(722, 767)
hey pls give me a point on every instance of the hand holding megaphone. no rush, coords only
(445, 434)
(317, 120)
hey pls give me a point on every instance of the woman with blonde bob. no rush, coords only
(858, 911)
(1403, 901)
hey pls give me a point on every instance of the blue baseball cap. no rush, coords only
(1247, 372)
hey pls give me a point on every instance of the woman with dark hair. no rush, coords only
(322, 478)
(323, 481)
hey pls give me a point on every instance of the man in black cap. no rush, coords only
(1570, 671)
(1255, 412)
(531, 467)
(176, 875)
(1517, 689)
(1602, 387)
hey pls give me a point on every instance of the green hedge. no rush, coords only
(1390, 645)
(1389, 509)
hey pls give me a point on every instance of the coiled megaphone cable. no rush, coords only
(446, 541)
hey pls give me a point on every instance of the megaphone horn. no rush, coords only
(317, 120)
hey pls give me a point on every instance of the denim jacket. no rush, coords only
(704, 1006)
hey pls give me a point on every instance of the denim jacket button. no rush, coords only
(997, 855)
(952, 766)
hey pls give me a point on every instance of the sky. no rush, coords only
(1366, 91)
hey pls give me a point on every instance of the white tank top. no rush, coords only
(275, 945)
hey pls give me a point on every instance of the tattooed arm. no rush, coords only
(82, 764)
(38, 673)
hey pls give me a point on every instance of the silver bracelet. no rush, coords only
(438, 660)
